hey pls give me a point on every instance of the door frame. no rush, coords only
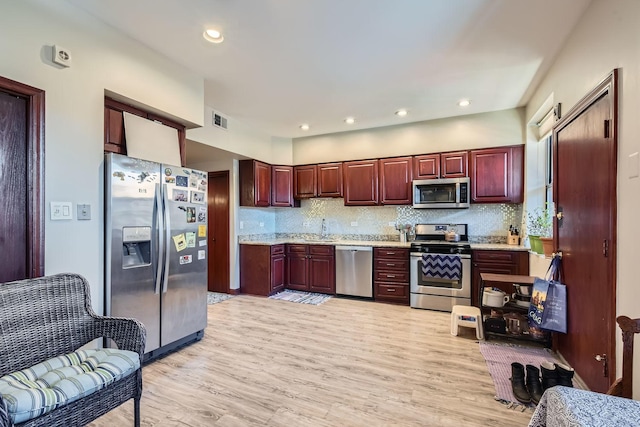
(608, 85)
(35, 177)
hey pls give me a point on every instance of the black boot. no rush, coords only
(565, 374)
(533, 383)
(549, 375)
(517, 383)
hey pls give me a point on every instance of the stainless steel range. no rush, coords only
(440, 268)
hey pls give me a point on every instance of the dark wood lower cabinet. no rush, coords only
(311, 268)
(391, 275)
(497, 262)
(262, 269)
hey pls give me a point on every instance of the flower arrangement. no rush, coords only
(540, 222)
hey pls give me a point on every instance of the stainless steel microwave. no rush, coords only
(446, 193)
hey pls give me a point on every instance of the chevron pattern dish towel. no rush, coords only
(442, 266)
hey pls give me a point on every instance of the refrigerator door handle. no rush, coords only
(161, 243)
(167, 227)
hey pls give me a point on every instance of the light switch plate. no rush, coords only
(61, 211)
(84, 212)
(354, 223)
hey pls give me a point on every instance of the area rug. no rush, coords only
(216, 297)
(499, 357)
(301, 297)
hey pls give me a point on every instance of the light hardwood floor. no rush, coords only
(265, 362)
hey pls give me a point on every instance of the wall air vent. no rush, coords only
(219, 121)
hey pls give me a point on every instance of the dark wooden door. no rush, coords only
(454, 164)
(21, 181)
(361, 183)
(395, 181)
(304, 181)
(218, 225)
(585, 150)
(330, 180)
(282, 186)
(13, 187)
(426, 166)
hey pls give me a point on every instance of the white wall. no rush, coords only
(607, 37)
(74, 135)
(242, 139)
(457, 133)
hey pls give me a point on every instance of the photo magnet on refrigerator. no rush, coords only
(202, 231)
(201, 254)
(185, 259)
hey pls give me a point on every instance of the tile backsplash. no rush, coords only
(487, 222)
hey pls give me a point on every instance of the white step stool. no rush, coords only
(467, 316)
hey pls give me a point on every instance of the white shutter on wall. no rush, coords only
(149, 140)
(545, 125)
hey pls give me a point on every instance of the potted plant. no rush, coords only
(540, 230)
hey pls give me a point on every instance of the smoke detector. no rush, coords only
(61, 56)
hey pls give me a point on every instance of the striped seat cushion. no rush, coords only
(41, 388)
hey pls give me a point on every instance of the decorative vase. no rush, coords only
(547, 245)
(536, 244)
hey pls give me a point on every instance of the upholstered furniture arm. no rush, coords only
(128, 334)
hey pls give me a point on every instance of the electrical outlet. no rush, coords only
(354, 223)
(262, 224)
(392, 224)
(241, 225)
(306, 224)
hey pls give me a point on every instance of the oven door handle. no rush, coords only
(418, 255)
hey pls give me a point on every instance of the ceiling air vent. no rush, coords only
(219, 121)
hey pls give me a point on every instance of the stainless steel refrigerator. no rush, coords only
(156, 249)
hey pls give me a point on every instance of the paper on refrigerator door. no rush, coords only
(180, 241)
(191, 239)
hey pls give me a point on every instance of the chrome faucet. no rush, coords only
(323, 232)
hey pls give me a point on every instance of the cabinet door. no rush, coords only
(330, 180)
(255, 183)
(114, 131)
(282, 186)
(278, 272)
(496, 175)
(305, 181)
(454, 164)
(426, 166)
(322, 274)
(255, 269)
(262, 184)
(297, 267)
(361, 183)
(395, 181)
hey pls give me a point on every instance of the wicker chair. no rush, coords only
(51, 316)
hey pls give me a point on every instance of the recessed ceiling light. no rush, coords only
(402, 112)
(349, 120)
(464, 103)
(213, 36)
(304, 126)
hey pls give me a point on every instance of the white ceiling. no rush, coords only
(287, 62)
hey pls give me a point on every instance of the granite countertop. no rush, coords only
(377, 243)
(373, 243)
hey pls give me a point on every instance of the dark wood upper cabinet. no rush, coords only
(361, 183)
(426, 166)
(454, 164)
(329, 180)
(395, 181)
(305, 181)
(255, 183)
(282, 186)
(497, 175)
(114, 135)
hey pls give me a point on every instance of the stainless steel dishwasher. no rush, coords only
(354, 271)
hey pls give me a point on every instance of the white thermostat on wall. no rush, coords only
(61, 56)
